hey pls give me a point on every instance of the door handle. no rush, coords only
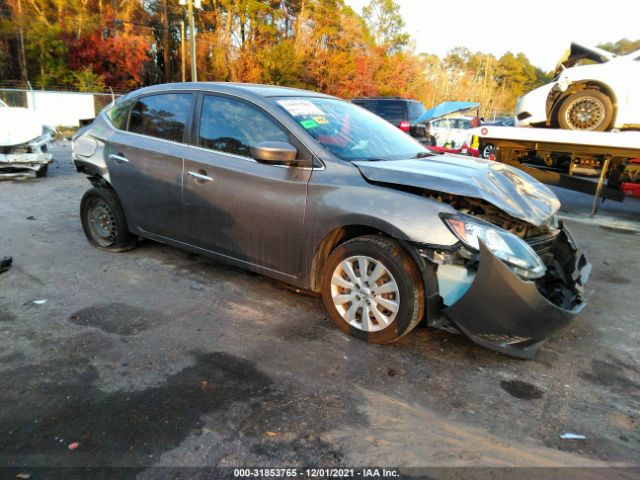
(118, 158)
(203, 177)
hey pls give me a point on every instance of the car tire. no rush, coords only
(588, 109)
(348, 296)
(488, 151)
(103, 221)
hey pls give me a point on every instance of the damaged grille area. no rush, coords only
(567, 271)
(542, 244)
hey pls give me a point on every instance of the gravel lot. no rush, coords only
(159, 358)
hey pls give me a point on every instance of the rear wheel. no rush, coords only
(103, 221)
(588, 109)
(372, 289)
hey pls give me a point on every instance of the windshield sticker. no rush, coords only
(321, 120)
(309, 123)
(300, 108)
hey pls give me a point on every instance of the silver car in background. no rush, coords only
(322, 194)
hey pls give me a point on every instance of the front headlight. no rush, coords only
(516, 253)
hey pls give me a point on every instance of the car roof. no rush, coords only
(244, 89)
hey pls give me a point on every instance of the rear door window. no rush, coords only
(366, 104)
(461, 123)
(391, 111)
(161, 116)
(234, 127)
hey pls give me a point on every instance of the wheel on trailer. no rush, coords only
(372, 289)
(588, 109)
(103, 221)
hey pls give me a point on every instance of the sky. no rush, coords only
(541, 29)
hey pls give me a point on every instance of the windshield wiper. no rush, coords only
(423, 154)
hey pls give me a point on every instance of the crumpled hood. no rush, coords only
(509, 189)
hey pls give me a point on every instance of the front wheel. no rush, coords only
(103, 221)
(372, 289)
(586, 110)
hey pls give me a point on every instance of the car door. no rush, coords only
(145, 162)
(460, 131)
(441, 131)
(235, 206)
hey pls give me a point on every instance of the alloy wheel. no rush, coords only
(365, 293)
(585, 113)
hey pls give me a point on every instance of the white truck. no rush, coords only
(605, 164)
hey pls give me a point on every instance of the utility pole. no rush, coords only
(165, 41)
(192, 43)
(23, 57)
(182, 52)
(192, 36)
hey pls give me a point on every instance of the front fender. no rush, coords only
(339, 197)
(402, 215)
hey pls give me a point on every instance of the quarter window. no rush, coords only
(415, 110)
(161, 116)
(118, 114)
(234, 127)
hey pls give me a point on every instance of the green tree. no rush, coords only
(385, 22)
(622, 46)
(47, 54)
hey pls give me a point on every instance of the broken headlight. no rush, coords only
(512, 250)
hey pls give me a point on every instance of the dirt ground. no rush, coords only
(157, 358)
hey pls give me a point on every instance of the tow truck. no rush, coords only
(604, 164)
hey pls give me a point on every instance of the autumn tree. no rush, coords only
(321, 45)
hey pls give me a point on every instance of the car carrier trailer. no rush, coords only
(604, 164)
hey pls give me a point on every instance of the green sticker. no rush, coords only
(309, 124)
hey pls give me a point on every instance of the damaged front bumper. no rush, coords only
(19, 166)
(505, 313)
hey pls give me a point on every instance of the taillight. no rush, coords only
(404, 125)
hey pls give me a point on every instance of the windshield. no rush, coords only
(350, 132)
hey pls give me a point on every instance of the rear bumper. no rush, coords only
(505, 313)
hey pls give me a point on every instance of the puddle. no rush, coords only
(117, 318)
(521, 390)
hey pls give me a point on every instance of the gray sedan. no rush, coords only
(322, 194)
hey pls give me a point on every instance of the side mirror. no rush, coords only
(274, 152)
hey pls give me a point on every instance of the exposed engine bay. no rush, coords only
(491, 214)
